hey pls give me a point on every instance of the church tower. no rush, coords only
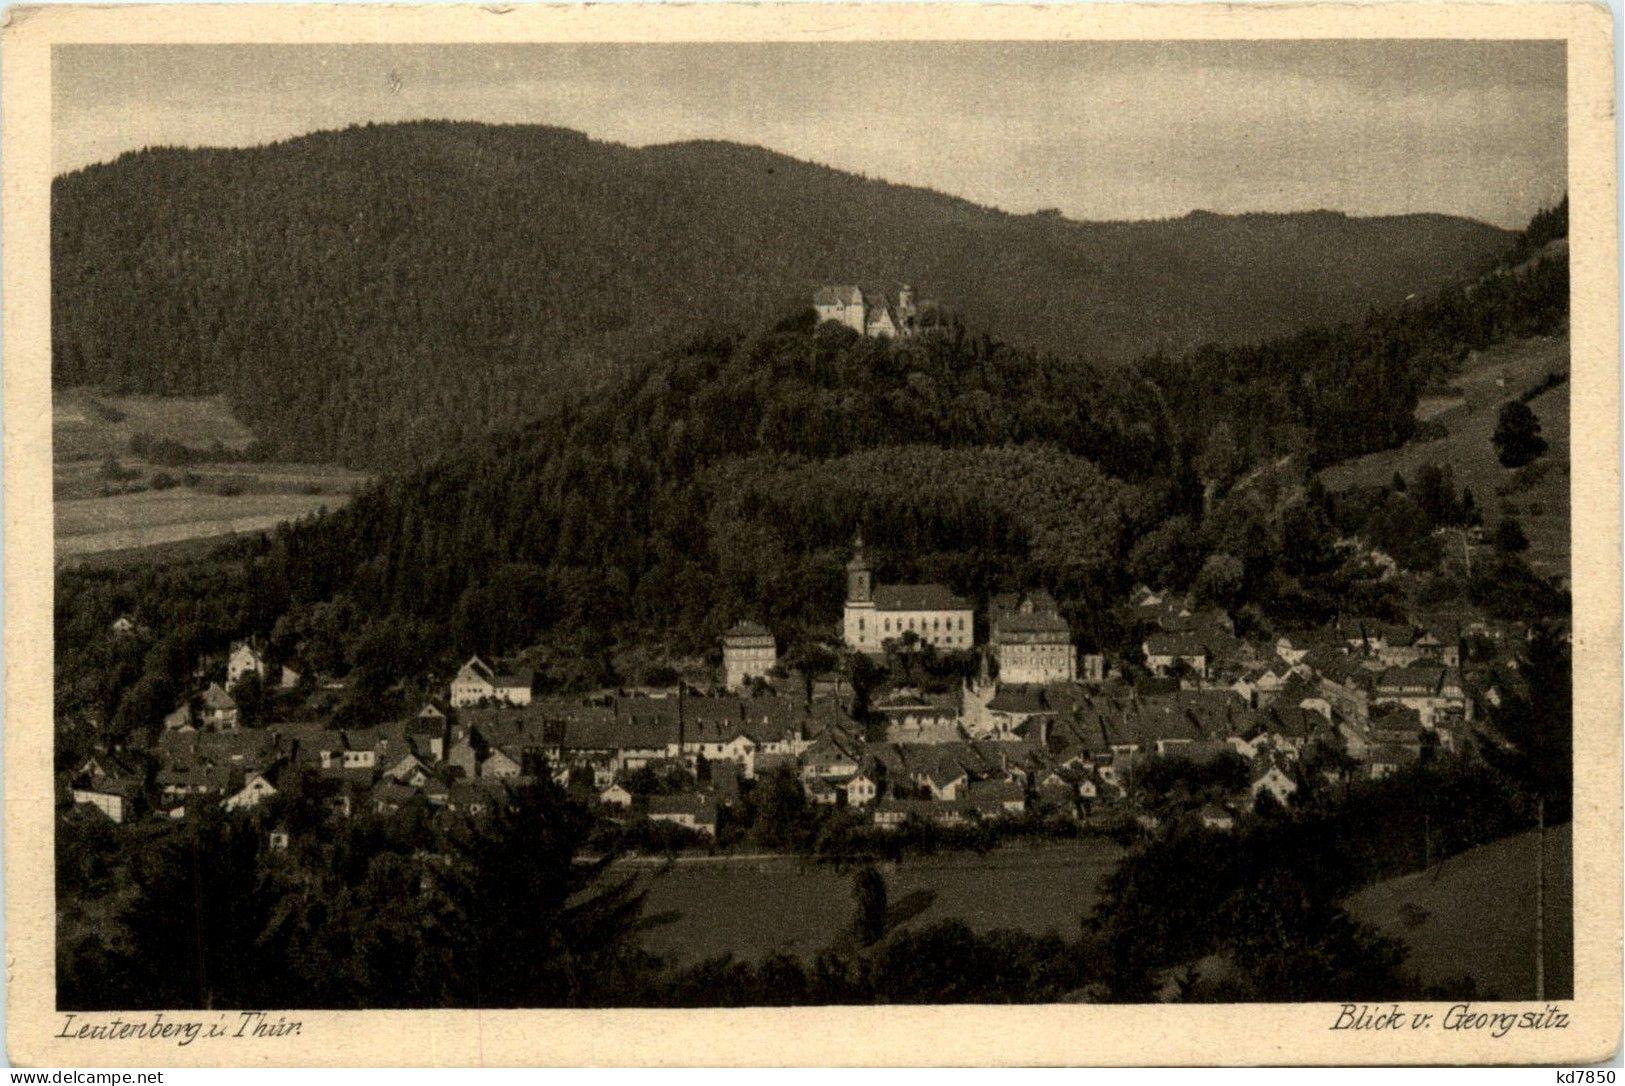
(859, 578)
(858, 628)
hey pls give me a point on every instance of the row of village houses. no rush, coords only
(987, 751)
(1379, 695)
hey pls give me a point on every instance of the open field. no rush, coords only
(129, 521)
(1539, 498)
(88, 425)
(110, 502)
(753, 907)
(1474, 915)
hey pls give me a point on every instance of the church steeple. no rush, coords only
(859, 578)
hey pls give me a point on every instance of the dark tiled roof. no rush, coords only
(748, 629)
(918, 597)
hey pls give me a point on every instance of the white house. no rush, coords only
(748, 652)
(245, 658)
(616, 795)
(252, 794)
(1272, 779)
(690, 811)
(477, 683)
(114, 797)
(1031, 641)
(861, 790)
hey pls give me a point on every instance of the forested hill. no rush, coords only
(726, 477)
(380, 294)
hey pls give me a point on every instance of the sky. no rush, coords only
(1098, 130)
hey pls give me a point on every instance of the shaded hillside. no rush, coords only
(1473, 915)
(380, 294)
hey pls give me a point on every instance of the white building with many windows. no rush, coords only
(878, 614)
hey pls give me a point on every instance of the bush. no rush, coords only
(1509, 537)
(1517, 437)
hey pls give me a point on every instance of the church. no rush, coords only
(876, 614)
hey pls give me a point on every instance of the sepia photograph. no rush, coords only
(811, 524)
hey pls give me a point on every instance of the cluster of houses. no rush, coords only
(1045, 734)
(1040, 727)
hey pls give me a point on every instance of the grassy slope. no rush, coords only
(1543, 508)
(89, 427)
(1474, 914)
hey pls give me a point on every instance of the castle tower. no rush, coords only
(906, 314)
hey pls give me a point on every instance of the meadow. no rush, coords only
(1538, 495)
(1474, 915)
(112, 504)
(751, 907)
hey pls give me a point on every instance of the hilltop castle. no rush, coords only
(876, 313)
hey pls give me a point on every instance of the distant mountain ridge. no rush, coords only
(382, 293)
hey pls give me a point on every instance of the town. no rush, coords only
(1039, 733)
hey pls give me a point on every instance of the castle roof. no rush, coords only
(842, 294)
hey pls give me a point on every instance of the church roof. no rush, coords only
(748, 629)
(918, 597)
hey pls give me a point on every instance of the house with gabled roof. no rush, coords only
(478, 683)
(501, 763)
(862, 790)
(219, 709)
(255, 790)
(1164, 651)
(689, 810)
(246, 658)
(1269, 776)
(997, 799)
(120, 798)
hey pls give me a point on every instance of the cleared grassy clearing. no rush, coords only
(754, 907)
(1539, 499)
(111, 502)
(1474, 915)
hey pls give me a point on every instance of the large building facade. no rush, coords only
(1031, 641)
(878, 614)
(748, 652)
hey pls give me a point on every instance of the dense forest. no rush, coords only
(381, 294)
(727, 478)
